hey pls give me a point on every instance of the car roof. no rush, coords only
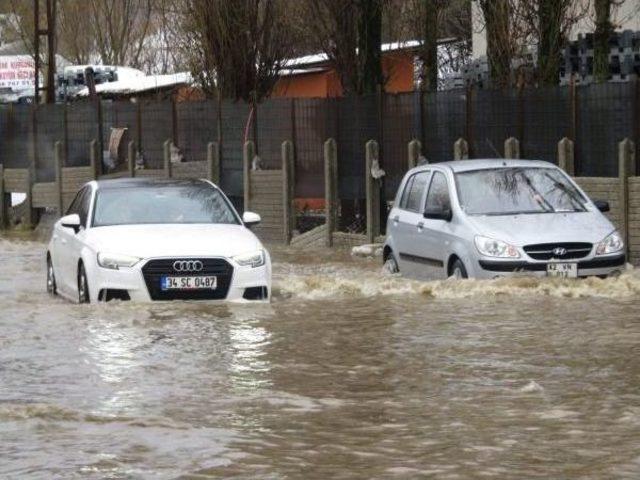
(488, 163)
(150, 182)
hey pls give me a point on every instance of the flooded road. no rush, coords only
(347, 374)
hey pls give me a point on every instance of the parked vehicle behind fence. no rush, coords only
(490, 218)
(151, 239)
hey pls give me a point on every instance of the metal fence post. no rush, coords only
(330, 187)
(248, 152)
(3, 200)
(57, 152)
(414, 152)
(93, 158)
(131, 158)
(213, 162)
(166, 153)
(565, 156)
(626, 168)
(512, 148)
(288, 187)
(461, 149)
(372, 191)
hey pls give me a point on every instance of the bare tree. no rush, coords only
(513, 27)
(350, 33)
(101, 31)
(237, 46)
(501, 41)
(120, 29)
(550, 23)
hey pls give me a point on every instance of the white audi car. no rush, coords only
(153, 239)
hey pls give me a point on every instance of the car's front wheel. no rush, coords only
(83, 285)
(52, 289)
(457, 270)
(390, 265)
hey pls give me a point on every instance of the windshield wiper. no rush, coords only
(573, 196)
(537, 196)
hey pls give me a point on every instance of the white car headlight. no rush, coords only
(115, 261)
(612, 244)
(495, 248)
(253, 259)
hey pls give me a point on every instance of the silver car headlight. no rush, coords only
(491, 247)
(115, 261)
(253, 259)
(612, 244)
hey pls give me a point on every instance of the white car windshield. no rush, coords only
(517, 190)
(162, 205)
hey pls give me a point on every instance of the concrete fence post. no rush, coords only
(166, 153)
(248, 152)
(372, 154)
(626, 168)
(288, 189)
(4, 201)
(512, 148)
(461, 149)
(57, 155)
(30, 214)
(330, 188)
(414, 152)
(213, 162)
(94, 158)
(566, 156)
(131, 158)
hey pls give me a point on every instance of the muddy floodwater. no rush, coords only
(347, 374)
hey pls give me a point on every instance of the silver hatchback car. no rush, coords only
(490, 218)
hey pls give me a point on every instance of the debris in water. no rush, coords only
(367, 251)
(532, 387)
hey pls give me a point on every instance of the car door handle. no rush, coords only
(396, 218)
(420, 225)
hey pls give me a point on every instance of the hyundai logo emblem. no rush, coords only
(188, 266)
(559, 251)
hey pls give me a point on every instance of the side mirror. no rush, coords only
(438, 213)
(71, 221)
(602, 205)
(250, 219)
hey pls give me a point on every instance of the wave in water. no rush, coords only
(316, 286)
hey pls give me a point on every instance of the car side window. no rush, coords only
(405, 192)
(84, 206)
(416, 190)
(75, 204)
(438, 196)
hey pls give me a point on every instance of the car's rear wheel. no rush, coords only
(52, 289)
(390, 265)
(83, 285)
(457, 270)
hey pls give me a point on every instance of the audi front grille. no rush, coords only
(154, 270)
(558, 251)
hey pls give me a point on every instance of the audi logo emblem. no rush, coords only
(188, 266)
(559, 252)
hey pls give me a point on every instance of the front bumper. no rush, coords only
(594, 266)
(240, 287)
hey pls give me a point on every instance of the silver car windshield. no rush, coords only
(160, 205)
(521, 190)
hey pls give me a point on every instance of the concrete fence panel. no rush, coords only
(633, 219)
(604, 188)
(190, 170)
(268, 201)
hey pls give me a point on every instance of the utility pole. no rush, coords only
(48, 31)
